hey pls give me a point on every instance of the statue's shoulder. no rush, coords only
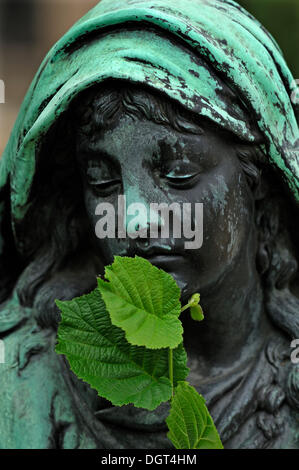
(12, 315)
(37, 408)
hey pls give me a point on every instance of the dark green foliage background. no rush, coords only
(281, 18)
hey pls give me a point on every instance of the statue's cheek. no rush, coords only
(227, 215)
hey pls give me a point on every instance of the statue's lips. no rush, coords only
(176, 265)
(167, 262)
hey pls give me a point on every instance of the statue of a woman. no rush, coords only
(161, 101)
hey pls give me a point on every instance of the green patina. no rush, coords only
(187, 47)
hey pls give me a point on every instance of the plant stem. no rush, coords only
(170, 356)
(170, 364)
(185, 308)
(192, 302)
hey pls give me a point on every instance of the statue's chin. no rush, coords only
(184, 287)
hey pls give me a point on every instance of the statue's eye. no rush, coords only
(182, 174)
(106, 188)
(101, 182)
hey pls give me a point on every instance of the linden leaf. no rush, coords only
(99, 354)
(196, 313)
(194, 300)
(143, 301)
(189, 422)
(195, 309)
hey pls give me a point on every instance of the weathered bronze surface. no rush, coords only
(157, 102)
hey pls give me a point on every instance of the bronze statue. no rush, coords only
(155, 101)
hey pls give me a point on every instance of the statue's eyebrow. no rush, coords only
(95, 152)
(94, 157)
(172, 151)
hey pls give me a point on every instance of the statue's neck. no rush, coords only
(235, 326)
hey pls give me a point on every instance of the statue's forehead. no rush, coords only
(139, 142)
(145, 141)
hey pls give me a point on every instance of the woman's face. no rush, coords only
(152, 163)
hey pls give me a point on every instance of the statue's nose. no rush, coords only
(141, 222)
(139, 217)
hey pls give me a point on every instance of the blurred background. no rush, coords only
(28, 29)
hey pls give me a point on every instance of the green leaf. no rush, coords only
(144, 301)
(196, 313)
(189, 422)
(194, 300)
(99, 354)
(195, 309)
